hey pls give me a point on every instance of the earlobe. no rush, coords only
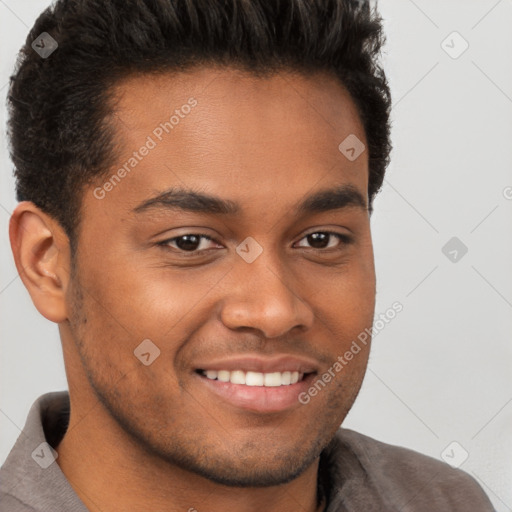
(41, 252)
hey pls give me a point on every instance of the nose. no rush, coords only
(265, 297)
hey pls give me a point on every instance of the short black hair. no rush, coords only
(60, 111)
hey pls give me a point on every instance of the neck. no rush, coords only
(109, 470)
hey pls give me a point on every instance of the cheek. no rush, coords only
(344, 307)
(348, 290)
(126, 306)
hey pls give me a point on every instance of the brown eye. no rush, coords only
(322, 239)
(319, 240)
(190, 242)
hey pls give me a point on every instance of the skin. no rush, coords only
(154, 437)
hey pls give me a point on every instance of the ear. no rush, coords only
(41, 252)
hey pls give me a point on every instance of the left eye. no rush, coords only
(319, 238)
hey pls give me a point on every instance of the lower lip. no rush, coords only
(259, 398)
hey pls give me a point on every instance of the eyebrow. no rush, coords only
(344, 196)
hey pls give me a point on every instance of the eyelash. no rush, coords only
(344, 239)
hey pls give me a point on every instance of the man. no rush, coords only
(196, 182)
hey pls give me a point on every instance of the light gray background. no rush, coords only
(441, 371)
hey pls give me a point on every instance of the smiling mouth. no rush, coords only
(250, 378)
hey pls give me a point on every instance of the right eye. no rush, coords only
(188, 243)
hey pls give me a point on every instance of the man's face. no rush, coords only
(270, 292)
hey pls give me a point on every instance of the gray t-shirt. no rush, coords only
(357, 473)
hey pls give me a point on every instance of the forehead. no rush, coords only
(275, 104)
(233, 134)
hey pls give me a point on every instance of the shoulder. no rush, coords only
(400, 477)
(9, 503)
(26, 485)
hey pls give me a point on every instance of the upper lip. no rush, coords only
(283, 363)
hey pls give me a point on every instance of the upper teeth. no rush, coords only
(254, 378)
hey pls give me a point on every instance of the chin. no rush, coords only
(250, 476)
